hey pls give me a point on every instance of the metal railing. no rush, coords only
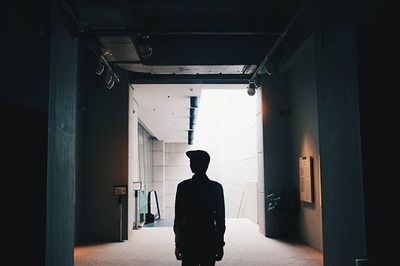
(150, 218)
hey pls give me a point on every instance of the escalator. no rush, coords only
(154, 220)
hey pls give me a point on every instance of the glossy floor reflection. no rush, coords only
(154, 246)
(160, 223)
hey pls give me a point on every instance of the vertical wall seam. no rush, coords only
(163, 177)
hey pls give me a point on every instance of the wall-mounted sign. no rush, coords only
(306, 180)
(137, 185)
(120, 190)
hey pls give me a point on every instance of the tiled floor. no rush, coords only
(154, 246)
(161, 223)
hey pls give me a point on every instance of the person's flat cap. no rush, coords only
(198, 155)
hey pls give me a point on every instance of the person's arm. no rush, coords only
(178, 223)
(220, 222)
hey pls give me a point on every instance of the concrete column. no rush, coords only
(276, 143)
(377, 107)
(305, 139)
(260, 163)
(61, 144)
(105, 134)
(159, 173)
(133, 152)
(340, 150)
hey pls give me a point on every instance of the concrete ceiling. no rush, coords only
(177, 16)
(201, 37)
(164, 108)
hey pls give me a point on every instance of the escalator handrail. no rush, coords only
(149, 203)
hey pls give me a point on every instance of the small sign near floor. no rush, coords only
(306, 181)
(120, 190)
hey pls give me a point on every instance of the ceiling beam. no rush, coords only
(138, 78)
(138, 32)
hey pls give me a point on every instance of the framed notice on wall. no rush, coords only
(306, 179)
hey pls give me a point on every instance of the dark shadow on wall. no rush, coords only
(23, 157)
(23, 132)
(102, 152)
(378, 74)
(282, 207)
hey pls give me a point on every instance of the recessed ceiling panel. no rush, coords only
(190, 70)
(164, 109)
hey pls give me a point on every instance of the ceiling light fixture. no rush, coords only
(111, 75)
(251, 89)
(269, 68)
(144, 48)
(108, 78)
(111, 84)
(253, 85)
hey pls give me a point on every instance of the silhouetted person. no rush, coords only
(199, 223)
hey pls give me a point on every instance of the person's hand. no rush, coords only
(219, 253)
(178, 253)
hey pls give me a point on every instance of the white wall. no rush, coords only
(226, 129)
(237, 145)
(170, 166)
(177, 169)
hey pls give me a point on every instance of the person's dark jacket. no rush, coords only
(199, 223)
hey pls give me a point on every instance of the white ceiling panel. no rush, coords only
(164, 108)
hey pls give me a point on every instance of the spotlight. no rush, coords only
(144, 48)
(111, 84)
(108, 78)
(251, 89)
(100, 68)
(145, 51)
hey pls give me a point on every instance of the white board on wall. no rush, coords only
(306, 182)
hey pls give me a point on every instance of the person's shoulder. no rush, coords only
(184, 183)
(216, 184)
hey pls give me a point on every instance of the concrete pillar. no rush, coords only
(159, 173)
(276, 143)
(377, 107)
(260, 162)
(133, 151)
(340, 150)
(104, 159)
(305, 139)
(61, 143)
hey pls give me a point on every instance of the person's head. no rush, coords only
(199, 161)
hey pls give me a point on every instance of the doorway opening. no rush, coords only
(165, 121)
(221, 119)
(227, 129)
